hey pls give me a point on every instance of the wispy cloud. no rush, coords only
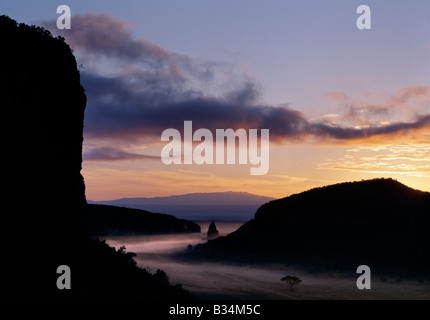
(136, 89)
(404, 159)
(100, 36)
(114, 154)
(370, 108)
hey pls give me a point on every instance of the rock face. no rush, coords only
(42, 105)
(212, 231)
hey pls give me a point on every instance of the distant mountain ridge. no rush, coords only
(221, 206)
(212, 198)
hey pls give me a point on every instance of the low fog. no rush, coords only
(220, 280)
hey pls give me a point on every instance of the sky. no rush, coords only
(341, 103)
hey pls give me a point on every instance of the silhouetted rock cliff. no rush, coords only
(379, 222)
(43, 107)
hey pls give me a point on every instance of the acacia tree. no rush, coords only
(291, 281)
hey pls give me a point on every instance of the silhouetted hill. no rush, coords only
(104, 220)
(381, 223)
(42, 105)
(219, 206)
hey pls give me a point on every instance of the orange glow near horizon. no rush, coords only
(303, 163)
(293, 169)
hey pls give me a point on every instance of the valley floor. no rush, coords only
(221, 280)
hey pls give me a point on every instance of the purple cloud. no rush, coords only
(114, 154)
(152, 89)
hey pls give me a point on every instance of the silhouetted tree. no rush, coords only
(291, 281)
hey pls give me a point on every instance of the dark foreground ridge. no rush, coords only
(43, 107)
(104, 220)
(379, 222)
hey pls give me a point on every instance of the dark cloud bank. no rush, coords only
(152, 89)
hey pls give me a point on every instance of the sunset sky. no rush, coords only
(341, 103)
